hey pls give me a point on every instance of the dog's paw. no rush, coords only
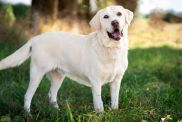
(55, 105)
(100, 114)
(28, 116)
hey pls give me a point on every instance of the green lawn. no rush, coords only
(151, 90)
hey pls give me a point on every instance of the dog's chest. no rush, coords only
(109, 64)
(108, 70)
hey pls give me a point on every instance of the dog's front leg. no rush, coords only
(97, 98)
(114, 91)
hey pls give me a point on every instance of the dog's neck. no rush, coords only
(108, 49)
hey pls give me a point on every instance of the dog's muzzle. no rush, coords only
(117, 33)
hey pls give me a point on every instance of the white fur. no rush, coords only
(92, 60)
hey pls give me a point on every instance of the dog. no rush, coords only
(92, 60)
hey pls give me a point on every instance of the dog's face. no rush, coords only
(112, 20)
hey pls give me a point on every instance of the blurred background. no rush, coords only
(155, 21)
(151, 89)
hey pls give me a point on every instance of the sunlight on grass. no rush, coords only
(143, 34)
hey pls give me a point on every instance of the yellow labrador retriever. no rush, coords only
(93, 60)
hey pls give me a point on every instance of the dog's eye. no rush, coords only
(119, 14)
(106, 16)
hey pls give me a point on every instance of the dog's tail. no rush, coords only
(17, 57)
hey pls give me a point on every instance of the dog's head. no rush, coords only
(112, 21)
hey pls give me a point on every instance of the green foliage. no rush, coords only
(21, 10)
(151, 90)
(7, 17)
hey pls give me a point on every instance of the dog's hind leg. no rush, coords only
(36, 75)
(56, 81)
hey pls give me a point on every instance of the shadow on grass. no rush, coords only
(151, 89)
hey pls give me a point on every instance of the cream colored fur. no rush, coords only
(92, 60)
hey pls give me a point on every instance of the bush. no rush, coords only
(7, 17)
(21, 10)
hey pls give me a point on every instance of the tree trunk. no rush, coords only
(68, 7)
(43, 9)
(93, 6)
(128, 4)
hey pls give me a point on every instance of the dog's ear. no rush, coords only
(128, 16)
(95, 21)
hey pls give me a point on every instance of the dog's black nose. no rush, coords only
(115, 23)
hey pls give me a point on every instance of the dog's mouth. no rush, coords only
(116, 34)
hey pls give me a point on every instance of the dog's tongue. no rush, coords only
(116, 34)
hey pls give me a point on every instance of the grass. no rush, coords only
(151, 90)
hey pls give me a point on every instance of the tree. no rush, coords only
(52, 9)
